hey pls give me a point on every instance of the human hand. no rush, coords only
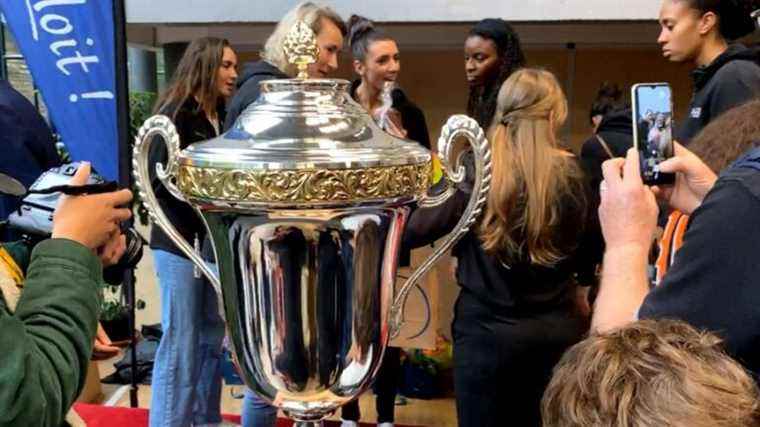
(628, 210)
(90, 219)
(393, 124)
(694, 179)
(103, 348)
(110, 253)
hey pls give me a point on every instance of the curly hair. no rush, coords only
(481, 102)
(650, 373)
(728, 136)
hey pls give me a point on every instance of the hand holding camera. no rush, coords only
(92, 220)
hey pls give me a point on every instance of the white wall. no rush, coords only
(213, 11)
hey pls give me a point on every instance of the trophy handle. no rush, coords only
(457, 126)
(163, 126)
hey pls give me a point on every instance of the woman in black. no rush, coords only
(492, 53)
(377, 62)
(727, 74)
(519, 266)
(187, 370)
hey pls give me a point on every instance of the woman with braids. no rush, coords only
(376, 60)
(519, 265)
(726, 75)
(492, 53)
(186, 386)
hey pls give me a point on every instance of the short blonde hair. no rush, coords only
(311, 14)
(651, 373)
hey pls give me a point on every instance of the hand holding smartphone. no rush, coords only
(653, 130)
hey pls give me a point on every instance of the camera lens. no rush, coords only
(114, 274)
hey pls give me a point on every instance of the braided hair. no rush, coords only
(481, 103)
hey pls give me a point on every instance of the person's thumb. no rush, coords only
(672, 165)
(82, 174)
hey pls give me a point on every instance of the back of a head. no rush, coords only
(361, 34)
(533, 181)
(195, 75)
(734, 16)
(728, 136)
(650, 373)
(311, 14)
(608, 99)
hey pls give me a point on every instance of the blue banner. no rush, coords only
(69, 48)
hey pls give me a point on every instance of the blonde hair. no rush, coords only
(532, 177)
(650, 373)
(311, 14)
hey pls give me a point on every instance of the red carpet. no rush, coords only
(110, 416)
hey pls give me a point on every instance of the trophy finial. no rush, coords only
(301, 48)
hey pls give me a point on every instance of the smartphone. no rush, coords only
(653, 130)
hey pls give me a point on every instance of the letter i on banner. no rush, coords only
(69, 48)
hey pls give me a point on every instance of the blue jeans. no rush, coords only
(187, 375)
(257, 412)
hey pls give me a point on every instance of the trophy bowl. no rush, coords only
(305, 201)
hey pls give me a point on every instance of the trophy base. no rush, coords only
(308, 424)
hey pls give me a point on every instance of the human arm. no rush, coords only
(426, 225)
(46, 342)
(713, 279)
(628, 217)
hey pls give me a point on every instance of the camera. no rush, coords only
(34, 217)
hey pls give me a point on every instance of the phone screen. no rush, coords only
(653, 132)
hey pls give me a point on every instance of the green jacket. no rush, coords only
(45, 345)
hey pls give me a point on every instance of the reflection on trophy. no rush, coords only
(305, 200)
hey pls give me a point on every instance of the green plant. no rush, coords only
(140, 109)
(112, 305)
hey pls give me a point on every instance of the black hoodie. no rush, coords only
(732, 79)
(248, 88)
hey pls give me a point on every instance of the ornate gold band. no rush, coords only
(304, 186)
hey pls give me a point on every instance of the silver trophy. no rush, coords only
(306, 200)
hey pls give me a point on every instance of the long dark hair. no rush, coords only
(481, 103)
(195, 76)
(734, 20)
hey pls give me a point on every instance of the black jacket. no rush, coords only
(26, 143)
(412, 118)
(248, 88)
(616, 129)
(192, 126)
(732, 79)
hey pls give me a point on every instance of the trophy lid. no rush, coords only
(304, 142)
